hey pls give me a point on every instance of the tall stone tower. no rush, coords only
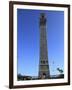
(43, 62)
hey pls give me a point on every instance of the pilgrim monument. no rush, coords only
(44, 71)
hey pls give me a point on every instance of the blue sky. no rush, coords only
(28, 40)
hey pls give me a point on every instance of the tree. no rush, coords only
(60, 70)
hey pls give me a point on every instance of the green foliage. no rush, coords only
(60, 70)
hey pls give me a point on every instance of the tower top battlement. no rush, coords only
(42, 19)
(42, 15)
